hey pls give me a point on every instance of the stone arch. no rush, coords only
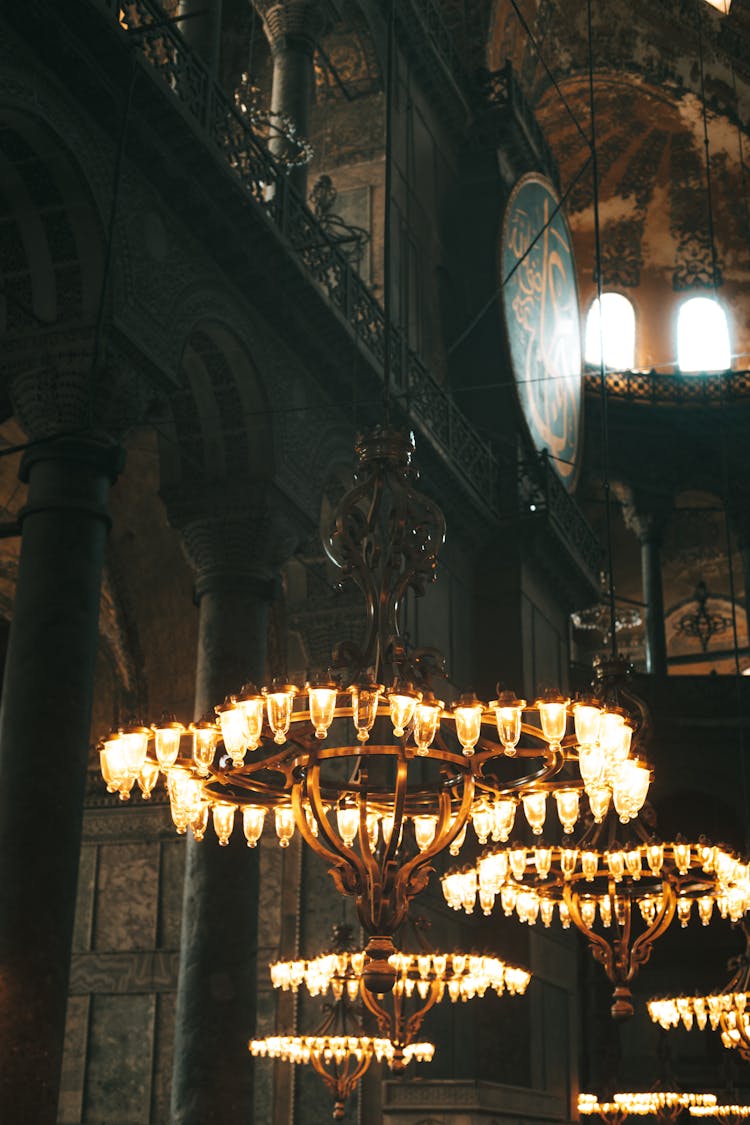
(220, 413)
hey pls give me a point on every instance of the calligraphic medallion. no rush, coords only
(540, 302)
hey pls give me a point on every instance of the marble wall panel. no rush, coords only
(126, 897)
(74, 1061)
(171, 873)
(85, 899)
(118, 1079)
(163, 1045)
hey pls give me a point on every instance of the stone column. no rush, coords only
(740, 521)
(201, 29)
(647, 516)
(44, 747)
(293, 28)
(235, 553)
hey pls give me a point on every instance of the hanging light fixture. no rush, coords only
(728, 1114)
(621, 896)
(727, 1012)
(664, 1105)
(377, 774)
(422, 980)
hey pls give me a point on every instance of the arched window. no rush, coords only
(617, 333)
(703, 336)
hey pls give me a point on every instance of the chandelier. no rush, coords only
(270, 125)
(339, 1055)
(597, 618)
(665, 1105)
(621, 897)
(422, 980)
(727, 1011)
(729, 1114)
(377, 774)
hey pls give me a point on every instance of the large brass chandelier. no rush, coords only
(621, 896)
(375, 771)
(665, 1105)
(422, 980)
(727, 1012)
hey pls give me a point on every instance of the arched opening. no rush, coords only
(615, 335)
(703, 336)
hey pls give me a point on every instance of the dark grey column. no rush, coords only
(201, 29)
(740, 520)
(646, 514)
(293, 29)
(44, 745)
(650, 537)
(235, 555)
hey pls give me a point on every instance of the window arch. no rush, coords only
(617, 333)
(703, 336)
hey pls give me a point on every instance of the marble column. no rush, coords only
(647, 517)
(293, 28)
(740, 522)
(201, 29)
(235, 553)
(44, 746)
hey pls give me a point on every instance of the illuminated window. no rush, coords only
(617, 334)
(703, 336)
(722, 6)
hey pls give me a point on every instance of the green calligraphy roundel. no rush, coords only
(540, 301)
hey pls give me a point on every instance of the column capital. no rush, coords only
(645, 513)
(295, 24)
(71, 474)
(235, 535)
(54, 391)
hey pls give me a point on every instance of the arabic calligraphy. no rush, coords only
(540, 301)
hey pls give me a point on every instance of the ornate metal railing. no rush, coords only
(541, 491)
(224, 127)
(674, 389)
(500, 89)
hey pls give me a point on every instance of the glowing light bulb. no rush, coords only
(589, 865)
(468, 715)
(553, 713)
(284, 820)
(347, 818)
(253, 817)
(365, 700)
(147, 778)
(535, 808)
(223, 818)
(167, 737)
(568, 860)
(424, 831)
(402, 700)
(482, 819)
(234, 731)
(586, 717)
(205, 737)
(508, 716)
(279, 704)
(322, 697)
(567, 807)
(503, 817)
(252, 705)
(599, 798)
(591, 764)
(427, 722)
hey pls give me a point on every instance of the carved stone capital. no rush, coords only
(55, 388)
(295, 24)
(645, 513)
(234, 535)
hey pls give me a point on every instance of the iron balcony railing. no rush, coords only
(541, 492)
(678, 389)
(226, 129)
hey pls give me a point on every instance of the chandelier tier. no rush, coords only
(340, 1059)
(622, 898)
(665, 1105)
(421, 980)
(377, 774)
(727, 1012)
(729, 1114)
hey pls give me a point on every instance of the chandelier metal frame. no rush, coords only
(596, 883)
(665, 1105)
(379, 780)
